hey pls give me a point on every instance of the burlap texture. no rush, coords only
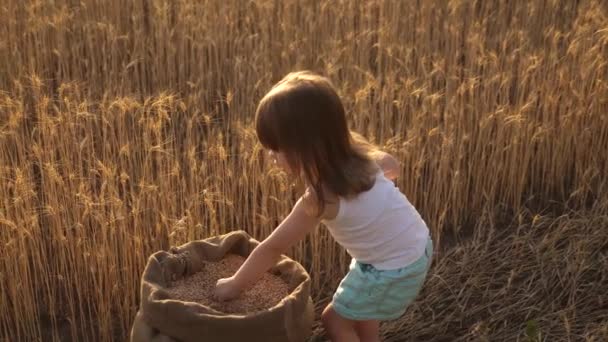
(161, 318)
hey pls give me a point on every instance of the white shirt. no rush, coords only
(380, 227)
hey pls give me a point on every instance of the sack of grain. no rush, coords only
(171, 312)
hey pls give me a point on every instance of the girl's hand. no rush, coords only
(293, 229)
(226, 289)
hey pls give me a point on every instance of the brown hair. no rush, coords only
(302, 116)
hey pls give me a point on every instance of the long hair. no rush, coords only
(302, 116)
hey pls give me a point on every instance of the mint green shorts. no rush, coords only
(367, 293)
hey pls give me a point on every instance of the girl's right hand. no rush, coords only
(226, 289)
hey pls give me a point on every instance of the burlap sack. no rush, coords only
(162, 319)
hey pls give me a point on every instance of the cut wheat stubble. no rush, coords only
(268, 291)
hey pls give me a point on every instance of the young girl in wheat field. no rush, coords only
(301, 121)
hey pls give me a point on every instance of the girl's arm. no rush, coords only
(388, 163)
(294, 228)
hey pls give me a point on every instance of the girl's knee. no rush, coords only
(368, 331)
(338, 329)
(327, 316)
(331, 321)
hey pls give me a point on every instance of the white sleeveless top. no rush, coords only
(380, 227)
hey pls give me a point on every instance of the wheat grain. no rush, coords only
(199, 287)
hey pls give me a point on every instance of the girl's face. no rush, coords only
(278, 158)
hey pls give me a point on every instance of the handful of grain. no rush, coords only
(199, 288)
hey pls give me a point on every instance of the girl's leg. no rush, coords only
(338, 328)
(368, 331)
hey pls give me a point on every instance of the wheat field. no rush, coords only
(126, 128)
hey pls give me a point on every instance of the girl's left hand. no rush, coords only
(226, 289)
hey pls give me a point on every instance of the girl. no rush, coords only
(349, 189)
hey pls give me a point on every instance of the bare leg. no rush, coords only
(368, 331)
(338, 328)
